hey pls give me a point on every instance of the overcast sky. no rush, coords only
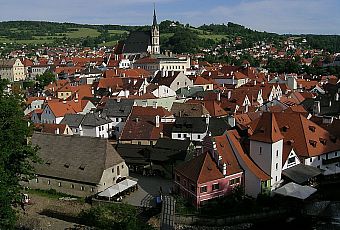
(280, 16)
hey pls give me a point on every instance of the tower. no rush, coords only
(155, 48)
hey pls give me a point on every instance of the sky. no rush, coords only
(279, 16)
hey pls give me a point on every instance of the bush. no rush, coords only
(113, 216)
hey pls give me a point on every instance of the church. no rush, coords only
(140, 43)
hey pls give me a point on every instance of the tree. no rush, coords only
(184, 41)
(15, 155)
(113, 216)
(45, 79)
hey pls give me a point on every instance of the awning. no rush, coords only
(301, 173)
(295, 190)
(117, 188)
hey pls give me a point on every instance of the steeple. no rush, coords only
(155, 48)
(154, 16)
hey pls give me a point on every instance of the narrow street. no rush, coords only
(168, 213)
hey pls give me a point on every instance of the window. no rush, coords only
(114, 179)
(276, 179)
(291, 160)
(72, 186)
(260, 150)
(318, 158)
(179, 135)
(336, 154)
(276, 166)
(82, 188)
(59, 184)
(310, 160)
(37, 180)
(122, 166)
(216, 186)
(92, 189)
(118, 172)
(204, 189)
(113, 170)
(198, 136)
(277, 153)
(48, 182)
(234, 181)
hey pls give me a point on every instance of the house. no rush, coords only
(34, 103)
(62, 129)
(174, 80)
(256, 181)
(212, 174)
(96, 125)
(188, 110)
(192, 128)
(54, 111)
(146, 125)
(12, 70)
(118, 110)
(74, 122)
(79, 166)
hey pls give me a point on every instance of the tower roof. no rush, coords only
(154, 17)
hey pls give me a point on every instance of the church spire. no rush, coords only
(154, 16)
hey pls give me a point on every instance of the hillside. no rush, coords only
(174, 36)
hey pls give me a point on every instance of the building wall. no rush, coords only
(138, 142)
(47, 116)
(317, 161)
(181, 81)
(164, 91)
(67, 187)
(111, 175)
(225, 187)
(37, 104)
(265, 156)
(191, 136)
(289, 163)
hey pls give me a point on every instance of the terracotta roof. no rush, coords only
(59, 109)
(200, 169)
(251, 165)
(266, 129)
(307, 138)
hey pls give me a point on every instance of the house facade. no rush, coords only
(12, 70)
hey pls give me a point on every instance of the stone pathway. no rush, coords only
(168, 213)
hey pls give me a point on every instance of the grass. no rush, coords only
(215, 37)
(51, 193)
(83, 33)
(109, 43)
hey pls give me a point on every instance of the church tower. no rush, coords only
(155, 47)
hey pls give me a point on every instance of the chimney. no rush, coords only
(219, 97)
(337, 97)
(155, 104)
(219, 161)
(77, 95)
(224, 169)
(64, 102)
(118, 99)
(229, 94)
(161, 135)
(57, 131)
(214, 145)
(157, 121)
(207, 120)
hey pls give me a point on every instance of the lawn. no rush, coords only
(83, 33)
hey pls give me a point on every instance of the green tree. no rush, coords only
(113, 216)
(45, 79)
(15, 155)
(184, 41)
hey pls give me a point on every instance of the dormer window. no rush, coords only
(66, 165)
(323, 141)
(82, 167)
(312, 143)
(312, 128)
(285, 128)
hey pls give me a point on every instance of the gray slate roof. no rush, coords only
(190, 125)
(113, 108)
(7, 63)
(172, 144)
(137, 42)
(94, 120)
(72, 120)
(74, 158)
(301, 173)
